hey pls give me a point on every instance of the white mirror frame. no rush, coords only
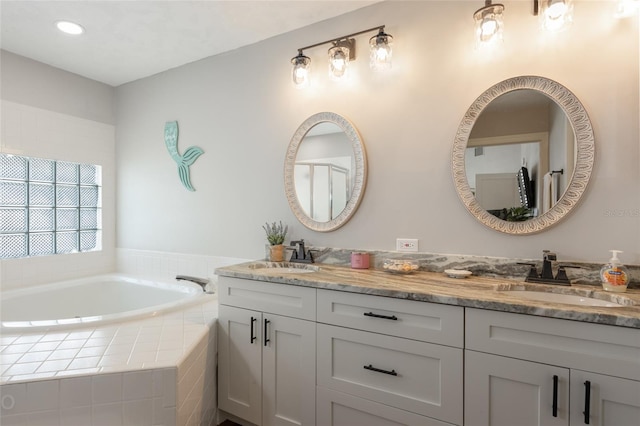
(584, 161)
(359, 182)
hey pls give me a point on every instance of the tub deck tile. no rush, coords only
(157, 342)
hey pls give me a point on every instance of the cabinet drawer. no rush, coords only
(599, 348)
(340, 409)
(428, 322)
(415, 376)
(281, 299)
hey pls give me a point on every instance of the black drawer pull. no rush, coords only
(555, 396)
(253, 336)
(266, 331)
(371, 314)
(378, 370)
(587, 402)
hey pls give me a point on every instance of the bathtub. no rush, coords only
(108, 350)
(99, 299)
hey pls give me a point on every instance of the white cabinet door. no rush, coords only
(341, 409)
(612, 401)
(502, 391)
(288, 371)
(239, 359)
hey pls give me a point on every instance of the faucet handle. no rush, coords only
(533, 272)
(561, 275)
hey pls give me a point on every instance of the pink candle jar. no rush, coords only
(359, 260)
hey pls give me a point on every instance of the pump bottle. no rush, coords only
(614, 275)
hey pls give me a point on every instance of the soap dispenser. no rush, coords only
(614, 275)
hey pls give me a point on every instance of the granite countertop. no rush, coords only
(474, 292)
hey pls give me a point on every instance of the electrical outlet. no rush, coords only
(406, 244)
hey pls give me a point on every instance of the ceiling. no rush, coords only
(128, 40)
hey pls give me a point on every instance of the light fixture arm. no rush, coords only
(338, 39)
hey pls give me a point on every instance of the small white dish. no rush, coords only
(457, 273)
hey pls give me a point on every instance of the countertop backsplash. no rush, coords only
(495, 267)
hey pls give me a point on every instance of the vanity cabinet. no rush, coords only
(266, 352)
(385, 361)
(293, 355)
(518, 367)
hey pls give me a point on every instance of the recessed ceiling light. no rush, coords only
(68, 27)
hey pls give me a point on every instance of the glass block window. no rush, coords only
(48, 207)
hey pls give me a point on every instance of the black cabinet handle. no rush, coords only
(371, 314)
(266, 331)
(587, 402)
(253, 336)
(555, 396)
(378, 370)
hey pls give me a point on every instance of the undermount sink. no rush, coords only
(279, 268)
(568, 296)
(570, 299)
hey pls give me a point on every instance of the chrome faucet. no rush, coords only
(202, 282)
(546, 276)
(300, 255)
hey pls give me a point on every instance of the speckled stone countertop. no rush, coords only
(472, 292)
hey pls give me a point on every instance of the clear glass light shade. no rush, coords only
(381, 51)
(489, 24)
(627, 8)
(556, 15)
(300, 71)
(338, 62)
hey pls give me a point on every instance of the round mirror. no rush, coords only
(325, 171)
(523, 155)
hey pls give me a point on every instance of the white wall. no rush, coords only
(58, 123)
(33, 83)
(241, 108)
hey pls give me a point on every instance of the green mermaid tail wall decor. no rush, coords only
(185, 160)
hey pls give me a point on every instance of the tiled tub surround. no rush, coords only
(153, 371)
(472, 292)
(498, 267)
(156, 371)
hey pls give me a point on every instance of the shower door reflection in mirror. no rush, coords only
(322, 188)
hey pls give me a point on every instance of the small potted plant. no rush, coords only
(276, 233)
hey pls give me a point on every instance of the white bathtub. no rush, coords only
(140, 352)
(93, 300)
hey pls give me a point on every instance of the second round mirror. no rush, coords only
(523, 155)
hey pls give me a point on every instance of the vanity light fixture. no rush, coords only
(489, 23)
(341, 53)
(556, 15)
(300, 70)
(381, 51)
(70, 28)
